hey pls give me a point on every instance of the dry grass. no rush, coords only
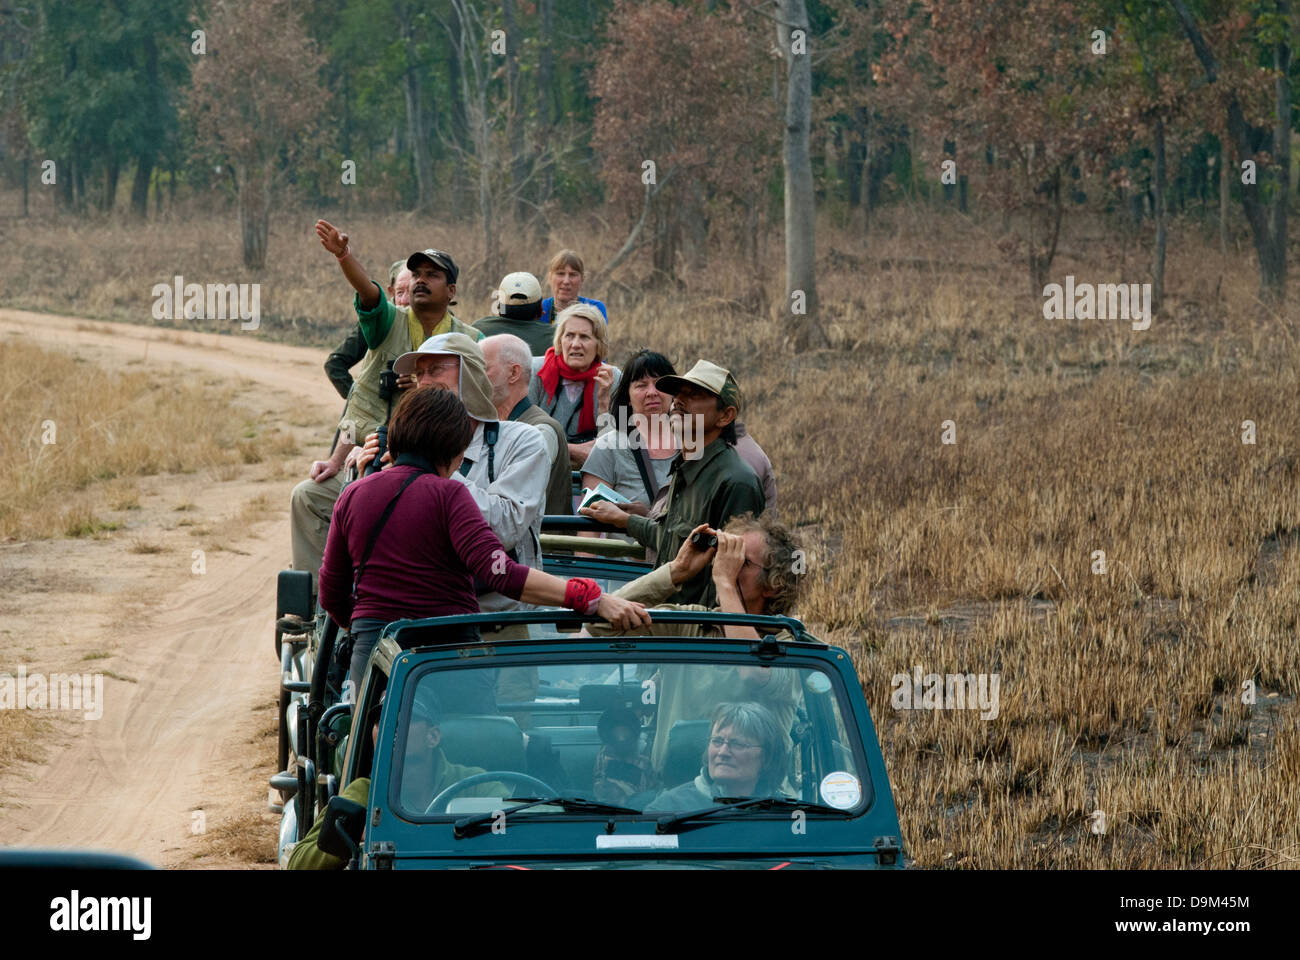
(1120, 691)
(141, 545)
(21, 734)
(249, 838)
(106, 428)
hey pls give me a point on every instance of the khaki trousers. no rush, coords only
(310, 507)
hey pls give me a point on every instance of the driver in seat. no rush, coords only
(425, 774)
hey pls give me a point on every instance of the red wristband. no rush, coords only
(582, 595)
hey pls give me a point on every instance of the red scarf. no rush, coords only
(553, 368)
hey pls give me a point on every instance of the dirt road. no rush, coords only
(175, 770)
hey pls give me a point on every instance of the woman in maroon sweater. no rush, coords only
(434, 541)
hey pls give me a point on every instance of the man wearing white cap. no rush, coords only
(518, 307)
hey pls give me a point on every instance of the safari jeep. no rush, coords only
(545, 783)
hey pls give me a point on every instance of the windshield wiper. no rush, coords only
(730, 805)
(468, 825)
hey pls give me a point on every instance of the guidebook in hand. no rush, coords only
(601, 492)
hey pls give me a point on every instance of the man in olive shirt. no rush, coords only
(709, 482)
(353, 350)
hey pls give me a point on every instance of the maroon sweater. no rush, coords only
(422, 562)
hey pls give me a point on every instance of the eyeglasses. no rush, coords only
(740, 746)
(431, 367)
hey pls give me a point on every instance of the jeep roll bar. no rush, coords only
(561, 523)
(430, 631)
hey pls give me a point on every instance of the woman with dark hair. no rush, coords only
(409, 542)
(635, 457)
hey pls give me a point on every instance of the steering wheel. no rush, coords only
(439, 803)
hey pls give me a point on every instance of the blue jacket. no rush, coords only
(548, 306)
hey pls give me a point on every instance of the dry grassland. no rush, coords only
(1121, 692)
(104, 429)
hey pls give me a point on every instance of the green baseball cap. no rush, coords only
(708, 376)
(394, 270)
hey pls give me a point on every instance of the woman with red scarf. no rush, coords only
(574, 383)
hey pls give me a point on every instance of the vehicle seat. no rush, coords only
(686, 742)
(576, 748)
(492, 742)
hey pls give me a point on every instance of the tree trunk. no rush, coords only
(546, 111)
(27, 175)
(1274, 279)
(800, 206)
(459, 121)
(1225, 188)
(254, 217)
(112, 171)
(140, 186)
(417, 121)
(515, 119)
(1159, 185)
(1267, 226)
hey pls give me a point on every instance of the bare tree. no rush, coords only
(793, 42)
(255, 101)
(508, 175)
(1267, 222)
(417, 113)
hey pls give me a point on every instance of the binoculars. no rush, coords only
(703, 540)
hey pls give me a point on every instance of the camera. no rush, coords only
(387, 383)
(374, 466)
(704, 540)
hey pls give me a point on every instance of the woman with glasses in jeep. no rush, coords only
(745, 756)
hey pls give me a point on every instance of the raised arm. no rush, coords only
(368, 292)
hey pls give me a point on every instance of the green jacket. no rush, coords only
(389, 332)
(536, 333)
(713, 489)
(307, 855)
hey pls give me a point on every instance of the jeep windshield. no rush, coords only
(604, 738)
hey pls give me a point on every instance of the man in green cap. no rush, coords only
(709, 482)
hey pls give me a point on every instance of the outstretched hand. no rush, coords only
(602, 511)
(330, 237)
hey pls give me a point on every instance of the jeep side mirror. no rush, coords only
(344, 821)
(293, 594)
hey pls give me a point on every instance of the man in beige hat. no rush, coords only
(518, 308)
(506, 465)
(709, 482)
